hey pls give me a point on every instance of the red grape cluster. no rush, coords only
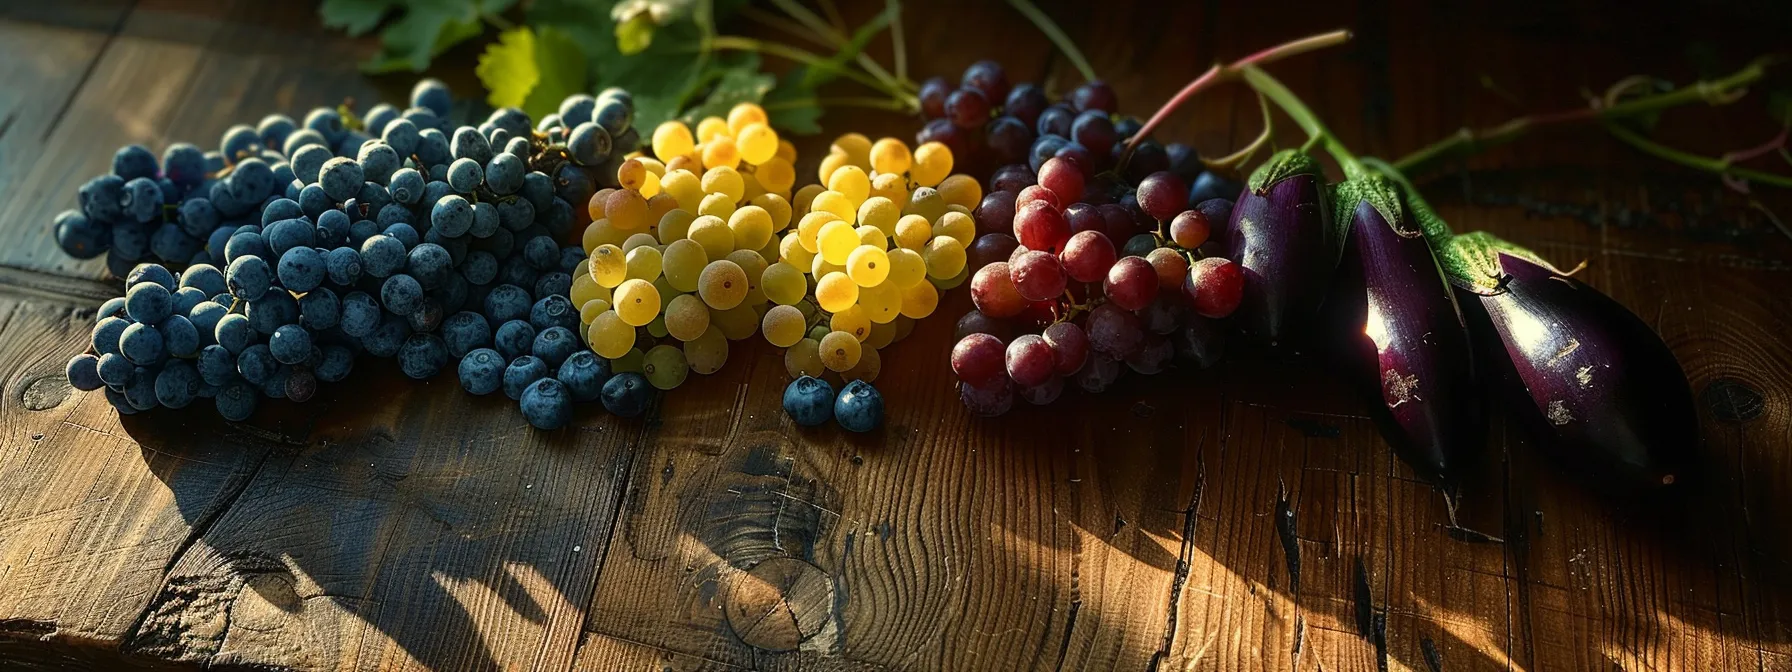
(1057, 299)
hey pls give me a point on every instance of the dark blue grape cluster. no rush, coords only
(430, 244)
(990, 125)
(811, 402)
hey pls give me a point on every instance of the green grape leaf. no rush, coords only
(562, 65)
(796, 119)
(424, 31)
(635, 34)
(507, 68)
(357, 17)
(736, 85)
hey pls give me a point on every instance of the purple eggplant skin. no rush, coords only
(1600, 385)
(1281, 234)
(1407, 341)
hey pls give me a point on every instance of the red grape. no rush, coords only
(1030, 360)
(1034, 192)
(1162, 194)
(994, 293)
(1171, 267)
(1119, 224)
(1019, 249)
(1153, 357)
(1215, 286)
(995, 214)
(1099, 373)
(1190, 229)
(1112, 330)
(1039, 226)
(978, 359)
(991, 248)
(1063, 177)
(1084, 217)
(942, 131)
(1070, 346)
(1078, 155)
(1093, 130)
(989, 400)
(967, 109)
(1038, 276)
(975, 322)
(1131, 283)
(1088, 256)
(1045, 393)
(1095, 95)
(1163, 315)
(987, 78)
(933, 97)
(1012, 178)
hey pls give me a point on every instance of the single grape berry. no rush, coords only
(547, 404)
(1030, 361)
(809, 401)
(1162, 195)
(1131, 283)
(977, 359)
(1215, 286)
(1190, 229)
(627, 394)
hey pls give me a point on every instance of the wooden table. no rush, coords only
(1247, 517)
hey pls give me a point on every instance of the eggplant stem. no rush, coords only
(1056, 35)
(1226, 71)
(1471, 141)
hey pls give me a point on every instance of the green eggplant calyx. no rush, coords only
(1472, 261)
(1285, 164)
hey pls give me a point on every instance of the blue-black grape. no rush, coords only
(217, 366)
(584, 374)
(302, 269)
(422, 356)
(382, 255)
(401, 294)
(522, 372)
(256, 364)
(404, 233)
(83, 372)
(465, 175)
(589, 144)
(142, 344)
(273, 310)
(177, 385)
(464, 332)
(235, 333)
(334, 363)
(236, 401)
(514, 339)
(547, 404)
(81, 237)
(290, 344)
(149, 303)
(554, 344)
(627, 394)
(179, 337)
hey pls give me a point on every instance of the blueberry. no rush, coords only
(547, 404)
(177, 384)
(479, 267)
(465, 331)
(517, 271)
(236, 401)
(428, 315)
(555, 310)
(542, 253)
(554, 344)
(482, 371)
(382, 255)
(523, 372)
(272, 311)
(572, 262)
(500, 244)
(148, 303)
(234, 333)
(809, 401)
(248, 278)
(388, 337)
(584, 374)
(507, 302)
(83, 372)
(422, 356)
(334, 363)
(179, 336)
(514, 339)
(553, 283)
(627, 394)
(859, 408)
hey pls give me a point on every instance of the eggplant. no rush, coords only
(1404, 339)
(1600, 386)
(1281, 234)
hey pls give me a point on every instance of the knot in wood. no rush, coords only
(1733, 400)
(45, 392)
(779, 603)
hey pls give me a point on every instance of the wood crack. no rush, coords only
(1184, 560)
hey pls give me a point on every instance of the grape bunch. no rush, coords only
(1059, 300)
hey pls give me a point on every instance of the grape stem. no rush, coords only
(1470, 141)
(1234, 159)
(736, 43)
(1722, 166)
(833, 38)
(1291, 105)
(1225, 71)
(1056, 35)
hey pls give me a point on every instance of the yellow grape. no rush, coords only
(882, 303)
(868, 265)
(637, 302)
(596, 233)
(758, 143)
(657, 328)
(718, 205)
(818, 332)
(585, 288)
(743, 115)
(652, 165)
(722, 285)
(854, 320)
(686, 317)
(710, 128)
(804, 359)
(890, 186)
(856, 146)
(800, 204)
(685, 187)
(751, 188)
(633, 361)
(834, 161)
(724, 180)
(840, 351)
(820, 267)
(920, 300)
(631, 174)
(626, 210)
(737, 324)
(904, 327)
(958, 226)
(776, 207)
(608, 266)
(783, 326)
(658, 205)
(932, 163)
(776, 175)
(713, 234)
(912, 232)
(890, 155)
(756, 300)
(870, 364)
(589, 310)
(665, 288)
(708, 352)
(882, 335)
(851, 182)
(751, 263)
(675, 225)
(835, 292)
(665, 367)
(944, 257)
(644, 263)
(810, 310)
(787, 151)
(595, 207)
(871, 235)
(638, 239)
(962, 190)
(880, 212)
(672, 138)
(809, 229)
(752, 227)
(836, 203)
(790, 248)
(650, 184)
(837, 240)
(952, 282)
(954, 207)
(683, 262)
(925, 202)
(907, 269)
(609, 336)
(783, 283)
(720, 152)
(772, 251)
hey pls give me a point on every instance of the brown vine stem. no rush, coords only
(1221, 72)
(1469, 141)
